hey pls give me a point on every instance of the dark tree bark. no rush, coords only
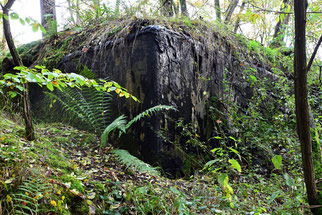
(184, 10)
(242, 7)
(279, 33)
(301, 103)
(167, 7)
(314, 54)
(30, 132)
(218, 10)
(232, 6)
(48, 16)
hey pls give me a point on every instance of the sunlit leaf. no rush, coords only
(223, 179)
(43, 30)
(235, 164)
(35, 27)
(14, 16)
(277, 161)
(22, 21)
(50, 86)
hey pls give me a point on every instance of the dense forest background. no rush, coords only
(161, 107)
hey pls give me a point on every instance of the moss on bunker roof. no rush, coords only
(50, 51)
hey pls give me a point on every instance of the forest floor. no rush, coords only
(64, 172)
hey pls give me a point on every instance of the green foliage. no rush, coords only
(34, 24)
(148, 200)
(277, 161)
(119, 123)
(96, 12)
(26, 198)
(133, 192)
(88, 105)
(56, 79)
(93, 108)
(149, 112)
(133, 162)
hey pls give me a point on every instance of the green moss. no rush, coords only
(56, 53)
(60, 139)
(75, 183)
(57, 162)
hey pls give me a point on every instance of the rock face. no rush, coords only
(161, 66)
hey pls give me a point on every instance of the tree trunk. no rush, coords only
(71, 11)
(30, 132)
(301, 103)
(279, 34)
(242, 7)
(230, 10)
(184, 10)
(167, 7)
(48, 16)
(117, 7)
(218, 12)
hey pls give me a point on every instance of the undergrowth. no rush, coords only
(62, 173)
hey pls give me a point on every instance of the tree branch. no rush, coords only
(8, 5)
(314, 53)
(279, 12)
(30, 132)
(8, 35)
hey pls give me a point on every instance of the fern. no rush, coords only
(118, 123)
(121, 124)
(131, 161)
(91, 107)
(149, 112)
(28, 194)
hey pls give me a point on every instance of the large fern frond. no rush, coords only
(118, 123)
(131, 161)
(121, 123)
(91, 107)
(28, 194)
(149, 112)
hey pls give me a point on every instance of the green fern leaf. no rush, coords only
(33, 186)
(149, 112)
(131, 161)
(118, 123)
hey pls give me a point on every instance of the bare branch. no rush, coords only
(314, 53)
(279, 12)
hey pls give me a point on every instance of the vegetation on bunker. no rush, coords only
(138, 110)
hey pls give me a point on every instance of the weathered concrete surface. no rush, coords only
(160, 66)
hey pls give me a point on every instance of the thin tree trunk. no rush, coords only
(279, 34)
(30, 132)
(230, 10)
(71, 12)
(167, 7)
(184, 10)
(242, 7)
(175, 8)
(314, 54)
(301, 103)
(218, 12)
(48, 16)
(78, 15)
(117, 7)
